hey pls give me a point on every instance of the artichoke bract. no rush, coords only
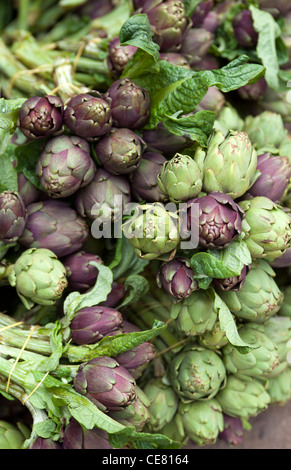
(243, 397)
(163, 403)
(213, 339)
(136, 414)
(244, 30)
(65, 165)
(194, 315)
(278, 329)
(220, 219)
(232, 283)
(107, 384)
(12, 216)
(260, 130)
(41, 117)
(214, 100)
(260, 362)
(153, 231)
(176, 277)
(274, 178)
(120, 151)
(55, 225)
(81, 274)
(130, 104)
(230, 164)
(180, 178)
(39, 277)
(175, 58)
(119, 56)
(202, 420)
(28, 192)
(88, 116)
(168, 21)
(233, 430)
(267, 228)
(99, 198)
(196, 44)
(279, 388)
(196, 373)
(90, 324)
(144, 180)
(136, 359)
(78, 437)
(10, 436)
(259, 298)
(255, 91)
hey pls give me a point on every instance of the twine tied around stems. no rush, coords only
(41, 68)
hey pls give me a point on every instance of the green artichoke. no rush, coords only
(11, 437)
(175, 430)
(180, 178)
(260, 362)
(153, 231)
(230, 164)
(279, 388)
(278, 329)
(196, 373)
(266, 131)
(163, 403)
(214, 339)
(267, 228)
(228, 118)
(202, 421)
(285, 310)
(259, 298)
(243, 397)
(194, 315)
(39, 277)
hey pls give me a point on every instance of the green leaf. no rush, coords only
(190, 6)
(197, 127)
(8, 173)
(27, 157)
(9, 111)
(269, 32)
(136, 31)
(228, 325)
(125, 261)
(136, 286)
(45, 428)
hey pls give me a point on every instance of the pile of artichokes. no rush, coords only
(145, 222)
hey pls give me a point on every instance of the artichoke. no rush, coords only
(41, 117)
(274, 178)
(152, 231)
(129, 103)
(233, 430)
(227, 119)
(163, 403)
(65, 165)
(78, 437)
(144, 180)
(278, 329)
(279, 387)
(244, 30)
(161, 140)
(196, 44)
(196, 373)
(120, 151)
(28, 192)
(54, 225)
(175, 58)
(194, 315)
(232, 283)
(220, 219)
(243, 397)
(39, 277)
(81, 274)
(88, 116)
(214, 100)
(177, 279)
(230, 164)
(260, 297)
(255, 91)
(118, 56)
(213, 339)
(260, 362)
(12, 216)
(260, 130)
(202, 421)
(267, 228)
(278, 7)
(137, 359)
(107, 384)
(136, 414)
(180, 178)
(11, 437)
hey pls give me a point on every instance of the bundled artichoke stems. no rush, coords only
(145, 225)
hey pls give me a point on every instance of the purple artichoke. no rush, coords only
(244, 30)
(201, 12)
(196, 45)
(98, 198)
(54, 225)
(90, 324)
(144, 180)
(283, 261)
(80, 274)
(275, 7)
(88, 116)
(214, 100)
(95, 8)
(120, 151)
(233, 430)
(115, 296)
(255, 91)
(274, 178)
(220, 220)
(47, 444)
(28, 192)
(208, 62)
(161, 140)
(168, 21)
(176, 278)
(41, 117)
(12, 216)
(78, 437)
(65, 165)
(175, 58)
(137, 359)
(211, 22)
(130, 104)
(232, 283)
(119, 56)
(107, 384)
(137, 414)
